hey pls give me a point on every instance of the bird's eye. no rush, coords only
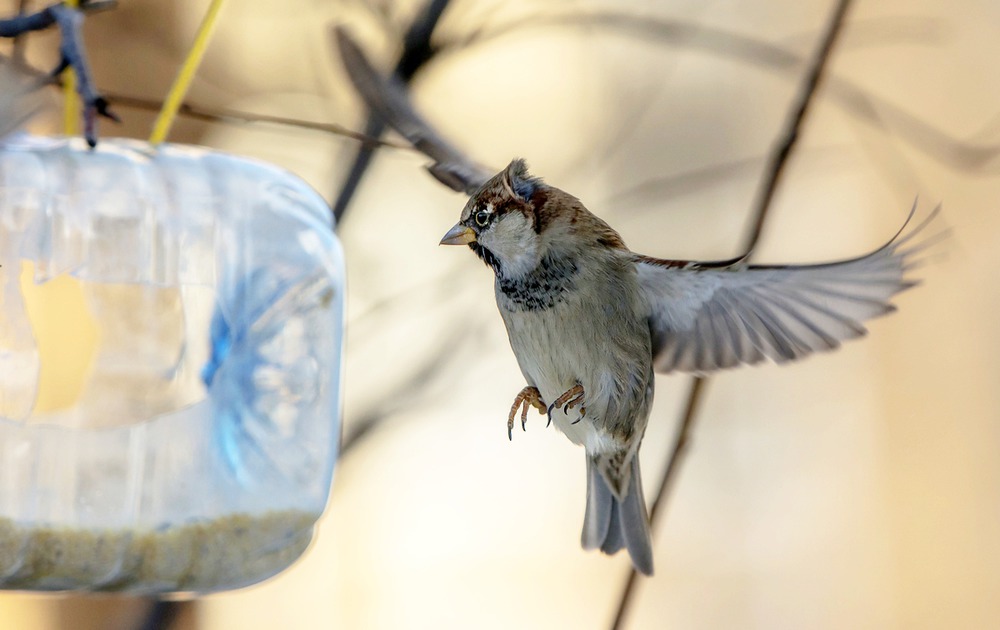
(482, 218)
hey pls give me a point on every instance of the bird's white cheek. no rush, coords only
(514, 242)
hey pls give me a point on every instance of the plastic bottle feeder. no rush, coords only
(170, 350)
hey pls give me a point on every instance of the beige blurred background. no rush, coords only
(859, 489)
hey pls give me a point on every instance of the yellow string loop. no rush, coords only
(183, 81)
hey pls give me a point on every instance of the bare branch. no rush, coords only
(215, 114)
(772, 177)
(20, 99)
(676, 454)
(163, 613)
(71, 53)
(854, 99)
(417, 51)
(388, 98)
(410, 393)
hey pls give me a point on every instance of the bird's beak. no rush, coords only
(459, 235)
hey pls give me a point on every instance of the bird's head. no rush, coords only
(504, 220)
(515, 220)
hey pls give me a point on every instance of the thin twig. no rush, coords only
(163, 614)
(404, 397)
(388, 99)
(776, 165)
(680, 443)
(223, 115)
(417, 51)
(680, 446)
(213, 114)
(20, 99)
(869, 108)
(413, 391)
(72, 53)
(19, 40)
(793, 125)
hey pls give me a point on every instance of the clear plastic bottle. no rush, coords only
(192, 449)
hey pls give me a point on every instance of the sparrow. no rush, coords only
(590, 322)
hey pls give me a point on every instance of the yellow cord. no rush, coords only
(71, 102)
(183, 81)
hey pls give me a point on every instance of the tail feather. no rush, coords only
(611, 524)
(600, 508)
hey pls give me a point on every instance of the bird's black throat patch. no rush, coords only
(486, 256)
(541, 288)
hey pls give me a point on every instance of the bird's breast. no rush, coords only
(540, 289)
(592, 333)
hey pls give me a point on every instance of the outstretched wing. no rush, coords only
(710, 316)
(388, 98)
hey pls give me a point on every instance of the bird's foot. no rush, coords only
(570, 399)
(528, 397)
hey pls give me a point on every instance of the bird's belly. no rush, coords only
(555, 354)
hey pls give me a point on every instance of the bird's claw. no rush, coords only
(570, 399)
(528, 397)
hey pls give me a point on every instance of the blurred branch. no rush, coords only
(417, 51)
(163, 614)
(772, 176)
(782, 149)
(884, 30)
(232, 116)
(666, 482)
(854, 99)
(19, 40)
(388, 99)
(212, 114)
(20, 98)
(681, 183)
(413, 391)
(660, 30)
(71, 53)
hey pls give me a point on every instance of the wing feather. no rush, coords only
(710, 316)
